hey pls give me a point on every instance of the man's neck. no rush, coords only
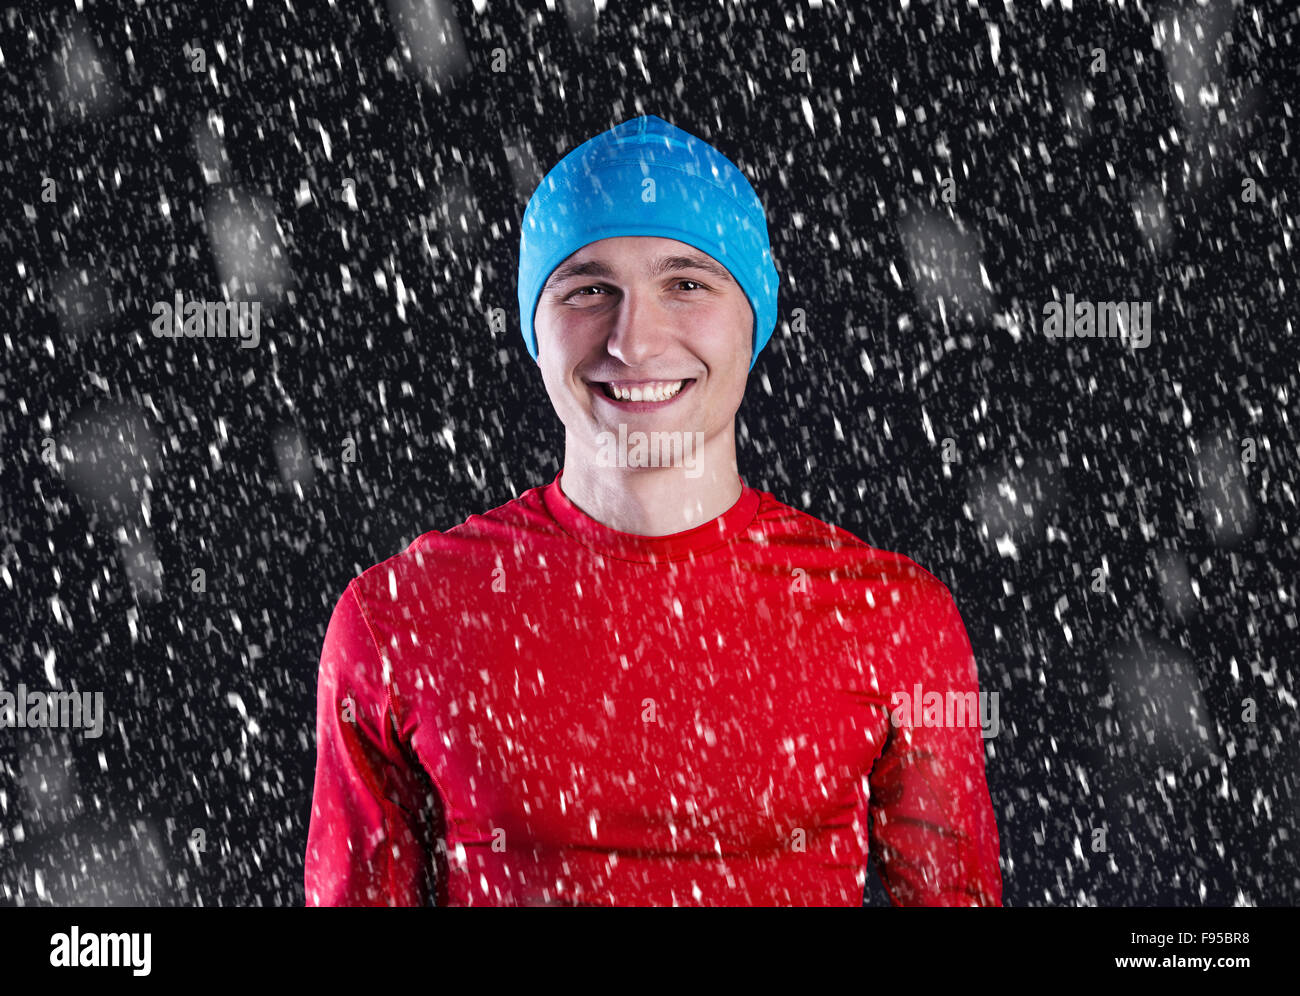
(653, 501)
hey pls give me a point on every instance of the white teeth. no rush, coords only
(651, 392)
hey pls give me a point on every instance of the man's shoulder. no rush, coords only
(849, 568)
(783, 524)
(440, 553)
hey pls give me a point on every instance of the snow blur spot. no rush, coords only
(1187, 40)
(99, 866)
(1226, 504)
(945, 265)
(1010, 508)
(459, 209)
(85, 83)
(1152, 218)
(1079, 101)
(246, 244)
(1177, 588)
(210, 150)
(1159, 703)
(48, 779)
(582, 15)
(108, 458)
(431, 40)
(291, 456)
(81, 301)
(525, 171)
(143, 567)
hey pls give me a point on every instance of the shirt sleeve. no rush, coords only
(933, 829)
(369, 839)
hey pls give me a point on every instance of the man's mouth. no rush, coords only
(652, 391)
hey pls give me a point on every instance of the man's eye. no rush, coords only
(582, 291)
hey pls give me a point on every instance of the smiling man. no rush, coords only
(639, 684)
(646, 336)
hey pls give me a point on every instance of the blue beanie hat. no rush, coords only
(699, 197)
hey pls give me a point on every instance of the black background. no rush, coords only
(1127, 458)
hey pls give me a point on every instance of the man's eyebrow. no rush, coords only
(585, 268)
(664, 264)
(667, 264)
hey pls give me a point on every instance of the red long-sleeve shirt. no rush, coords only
(532, 708)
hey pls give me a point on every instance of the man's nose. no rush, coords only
(640, 330)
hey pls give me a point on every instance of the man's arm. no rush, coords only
(369, 839)
(933, 828)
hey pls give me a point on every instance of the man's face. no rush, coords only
(643, 312)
